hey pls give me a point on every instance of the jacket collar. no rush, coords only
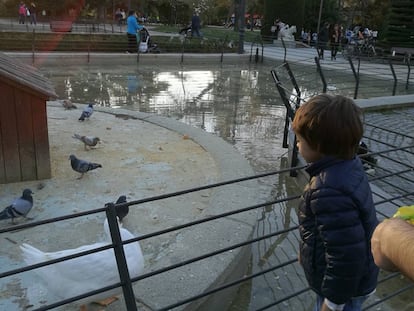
(316, 167)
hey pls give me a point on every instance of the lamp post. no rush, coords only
(242, 13)
(320, 15)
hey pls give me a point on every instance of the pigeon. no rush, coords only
(20, 207)
(369, 162)
(86, 113)
(67, 104)
(121, 211)
(82, 166)
(90, 141)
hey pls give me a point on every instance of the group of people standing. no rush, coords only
(331, 34)
(27, 12)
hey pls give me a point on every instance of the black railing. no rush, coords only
(400, 178)
(393, 174)
(87, 43)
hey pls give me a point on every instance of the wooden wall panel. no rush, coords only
(41, 138)
(25, 135)
(2, 169)
(9, 136)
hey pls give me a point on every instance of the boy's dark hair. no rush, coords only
(331, 125)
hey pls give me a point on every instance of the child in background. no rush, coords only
(336, 215)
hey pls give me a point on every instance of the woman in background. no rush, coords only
(132, 28)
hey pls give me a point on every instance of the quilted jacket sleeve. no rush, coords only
(343, 243)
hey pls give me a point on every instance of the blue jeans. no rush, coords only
(355, 304)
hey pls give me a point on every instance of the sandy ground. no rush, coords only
(138, 159)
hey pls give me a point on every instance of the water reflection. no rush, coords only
(241, 106)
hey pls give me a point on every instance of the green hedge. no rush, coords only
(26, 41)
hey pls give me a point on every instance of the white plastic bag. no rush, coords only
(143, 47)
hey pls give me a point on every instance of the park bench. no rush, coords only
(61, 26)
(404, 52)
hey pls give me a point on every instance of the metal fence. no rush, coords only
(353, 77)
(393, 172)
(102, 37)
(281, 282)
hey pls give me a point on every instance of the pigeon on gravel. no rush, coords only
(67, 104)
(122, 211)
(86, 113)
(82, 166)
(20, 207)
(90, 141)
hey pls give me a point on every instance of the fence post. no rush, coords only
(408, 71)
(222, 49)
(120, 258)
(284, 48)
(182, 49)
(290, 114)
(356, 75)
(395, 78)
(89, 47)
(319, 70)
(295, 84)
(261, 43)
(33, 46)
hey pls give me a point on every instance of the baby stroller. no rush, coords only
(186, 30)
(145, 44)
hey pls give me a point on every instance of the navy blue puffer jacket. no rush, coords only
(337, 218)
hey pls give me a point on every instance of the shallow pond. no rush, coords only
(243, 107)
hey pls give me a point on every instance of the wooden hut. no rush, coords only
(24, 140)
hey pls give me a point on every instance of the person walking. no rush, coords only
(132, 30)
(32, 10)
(195, 25)
(335, 40)
(118, 16)
(323, 38)
(22, 13)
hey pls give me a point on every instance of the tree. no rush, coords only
(291, 12)
(400, 29)
(330, 13)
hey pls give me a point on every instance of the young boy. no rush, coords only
(337, 215)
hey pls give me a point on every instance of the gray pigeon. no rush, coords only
(82, 166)
(67, 104)
(86, 113)
(90, 141)
(20, 207)
(121, 211)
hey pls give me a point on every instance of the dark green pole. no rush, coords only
(242, 12)
(319, 17)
